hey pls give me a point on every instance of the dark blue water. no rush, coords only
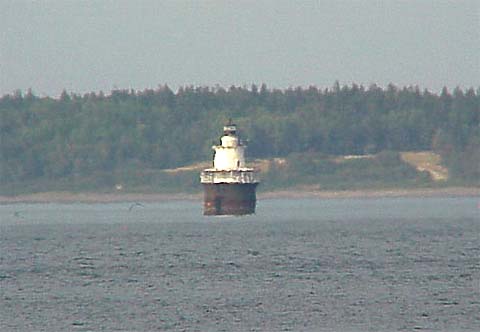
(395, 264)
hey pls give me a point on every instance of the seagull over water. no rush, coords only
(135, 204)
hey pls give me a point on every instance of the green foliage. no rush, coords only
(93, 137)
(386, 169)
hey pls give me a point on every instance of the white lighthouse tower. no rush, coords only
(229, 187)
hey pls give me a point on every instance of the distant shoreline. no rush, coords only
(69, 197)
(375, 193)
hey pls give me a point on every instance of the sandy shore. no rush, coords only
(424, 192)
(67, 197)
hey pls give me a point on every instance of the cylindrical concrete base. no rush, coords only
(229, 198)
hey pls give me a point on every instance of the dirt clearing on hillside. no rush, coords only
(427, 161)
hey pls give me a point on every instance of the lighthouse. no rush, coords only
(229, 187)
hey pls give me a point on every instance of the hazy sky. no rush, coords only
(84, 46)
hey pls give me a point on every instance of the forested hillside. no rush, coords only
(89, 136)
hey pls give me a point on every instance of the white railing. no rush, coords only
(214, 176)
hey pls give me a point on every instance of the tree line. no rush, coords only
(80, 135)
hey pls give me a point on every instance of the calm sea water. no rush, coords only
(396, 264)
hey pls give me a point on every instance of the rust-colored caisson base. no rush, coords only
(229, 198)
